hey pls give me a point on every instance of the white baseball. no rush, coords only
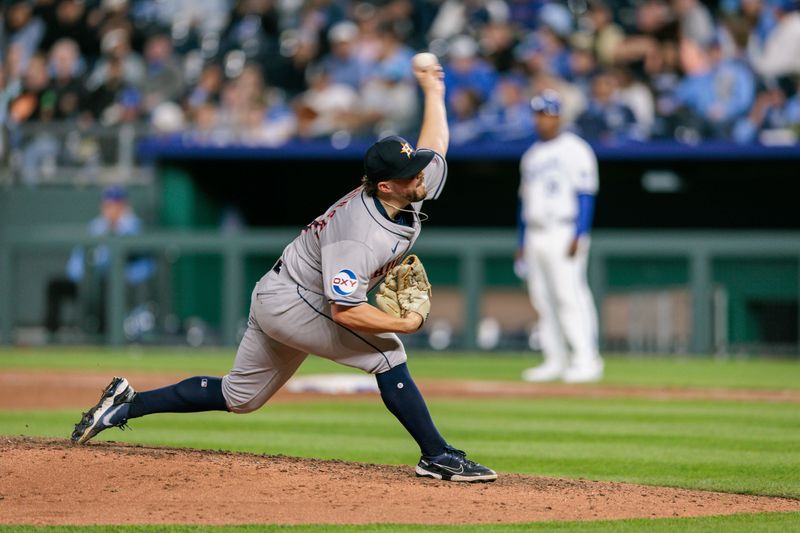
(424, 60)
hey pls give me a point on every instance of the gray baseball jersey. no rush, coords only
(338, 258)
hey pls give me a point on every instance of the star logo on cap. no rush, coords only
(406, 149)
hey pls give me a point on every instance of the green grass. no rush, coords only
(742, 523)
(651, 372)
(733, 446)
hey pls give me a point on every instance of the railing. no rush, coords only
(66, 152)
(471, 247)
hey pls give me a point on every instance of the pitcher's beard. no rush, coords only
(417, 195)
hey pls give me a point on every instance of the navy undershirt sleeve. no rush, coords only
(583, 223)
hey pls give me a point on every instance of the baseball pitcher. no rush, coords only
(558, 185)
(314, 301)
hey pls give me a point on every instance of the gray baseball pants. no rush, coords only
(286, 324)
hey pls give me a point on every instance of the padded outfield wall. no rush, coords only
(653, 186)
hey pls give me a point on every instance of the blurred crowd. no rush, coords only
(265, 72)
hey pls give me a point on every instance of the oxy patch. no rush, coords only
(345, 282)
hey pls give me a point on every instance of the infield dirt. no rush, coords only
(47, 482)
(26, 389)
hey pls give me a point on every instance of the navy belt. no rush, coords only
(277, 267)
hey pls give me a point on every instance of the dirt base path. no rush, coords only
(48, 482)
(24, 389)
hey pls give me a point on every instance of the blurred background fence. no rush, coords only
(693, 312)
(696, 249)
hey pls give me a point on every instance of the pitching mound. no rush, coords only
(53, 482)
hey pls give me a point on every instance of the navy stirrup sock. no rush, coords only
(404, 401)
(200, 393)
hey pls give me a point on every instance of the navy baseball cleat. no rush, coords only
(111, 411)
(453, 465)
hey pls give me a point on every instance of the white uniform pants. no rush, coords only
(560, 294)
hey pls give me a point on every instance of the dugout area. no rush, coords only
(645, 301)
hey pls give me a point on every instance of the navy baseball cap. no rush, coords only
(115, 193)
(393, 158)
(549, 103)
